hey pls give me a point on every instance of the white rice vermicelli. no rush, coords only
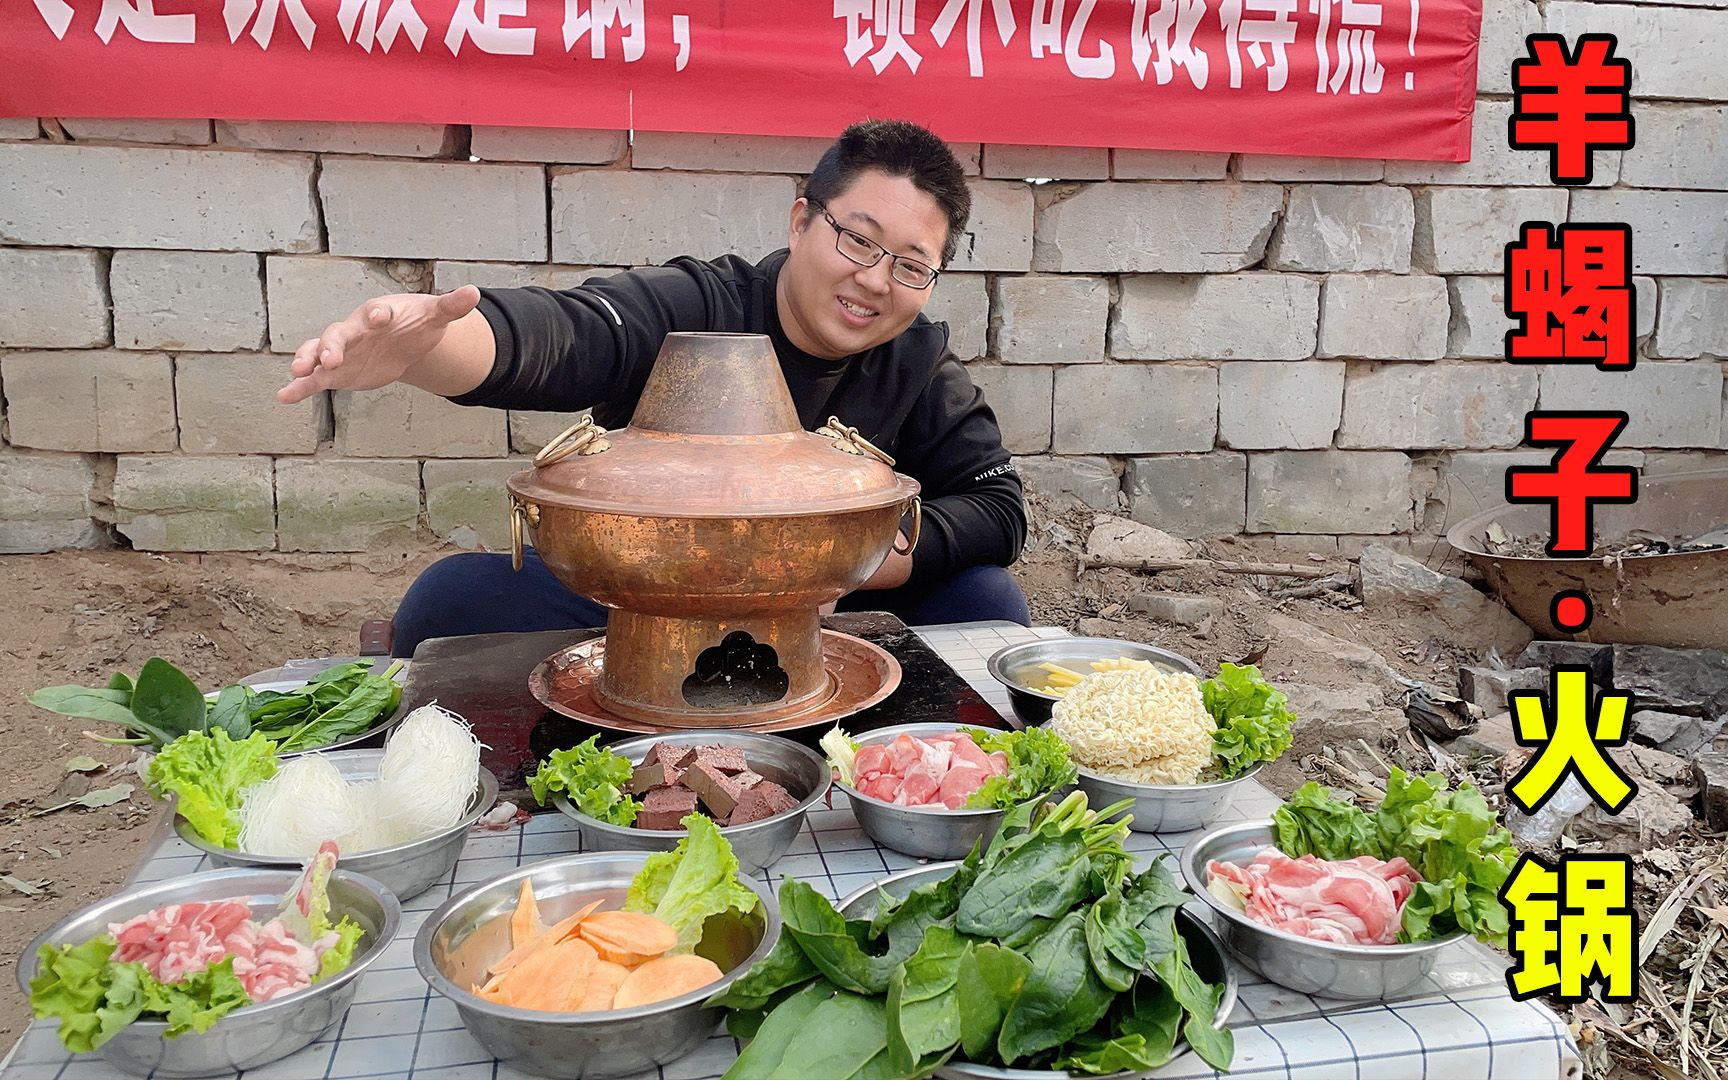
(1139, 724)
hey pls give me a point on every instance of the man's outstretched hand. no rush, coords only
(386, 337)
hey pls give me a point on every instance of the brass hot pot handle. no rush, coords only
(917, 527)
(522, 513)
(582, 437)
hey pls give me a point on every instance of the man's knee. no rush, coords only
(446, 596)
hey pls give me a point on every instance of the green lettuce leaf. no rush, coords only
(71, 985)
(1253, 719)
(195, 1002)
(693, 881)
(340, 955)
(1038, 763)
(841, 750)
(207, 772)
(1312, 822)
(593, 778)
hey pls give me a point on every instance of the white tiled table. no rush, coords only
(1461, 1024)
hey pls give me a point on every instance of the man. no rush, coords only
(881, 214)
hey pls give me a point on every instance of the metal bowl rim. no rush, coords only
(467, 999)
(1173, 789)
(562, 800)
(480, 803)
(347, 742)
(888, 734)
(995, 665)
(1190, 876)
(1458, 536)
(386, 933)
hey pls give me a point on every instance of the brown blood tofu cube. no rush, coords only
(762, 801)
(659, 821)
(727, 759)
(669, 800)
(646, 778)
(670, 755)
(719, 792)
(747, 780)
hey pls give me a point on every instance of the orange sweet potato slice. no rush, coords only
(525, 922)
(663, 978)
(553, 979)
(626, 937)
(557, 932)
(603, 984)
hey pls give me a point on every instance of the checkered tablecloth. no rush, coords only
(1459, 1025)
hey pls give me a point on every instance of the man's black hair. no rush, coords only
(898, 148)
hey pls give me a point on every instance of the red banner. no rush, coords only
(1346, 78)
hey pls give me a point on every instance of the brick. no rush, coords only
(1329, 491)
(1669, 462)
(998, 235)
(492, 211)
(1089, 481)
(1493, 162)
(1128, 164)
(98, 129)
(143, 197)
(332, 504)
(1673, 232)
(1479, 323)
(1694, 320)
(1216, 316)
(402, 421)
(52, 299)
(1384, 316)
(187, 300)
(1473, 481)
(227, 405)
(1021, 399)
(335, 137)
(1309, 169)
(963, 302)
(1686, 70)
(529, 431)
(467, 503)
(622, 217)
(1049, 319)
(1344, 227)
(1465, 230)
(1679, 146)
(447, 275)
(1279, 406)
(307, 294)
(1011, 162)
(19, 127)
(1672, 404)
(1505, 24)
(1135, 409)
(1156, 228)
(107, 401)
(725, 153)
(565, 146)
(175, 503)
(1451, 406)
(1189, 495)
(45, 502)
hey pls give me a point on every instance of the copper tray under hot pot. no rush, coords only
(860, 674)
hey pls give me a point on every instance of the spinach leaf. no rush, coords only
(88, 703)
(345, 673)
(785, 966)
(119, 681)
(229, 712)
(1025, 934)
(1138, 1037)
(1114, 946)
(926, 903)
(834, 945)
(165, 699)
(777, 1031)
(371, 698)
(1062, 997)
(923, 1009)
(990, 979)
(851, 1043)
(1043, 877)
(1200, 1000)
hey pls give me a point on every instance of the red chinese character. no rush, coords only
(1575, 301)
(1570, 103)
(1576, 479)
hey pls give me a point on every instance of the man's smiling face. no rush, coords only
(832, 307)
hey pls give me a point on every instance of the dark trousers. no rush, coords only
(478, 593)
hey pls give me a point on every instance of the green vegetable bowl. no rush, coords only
(1205, 954)
(252, 1035)
(373, 735)
(1166, 808)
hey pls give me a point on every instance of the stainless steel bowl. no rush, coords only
(1364, 972)
(1014, 665)
(464, 936)
(407, 870)
(256, 1034)
(758, 844)
(1166, 808)
(929, 833)
(1205, 954)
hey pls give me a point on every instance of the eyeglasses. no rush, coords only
(867, 252)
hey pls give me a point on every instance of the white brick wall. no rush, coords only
(483, 211)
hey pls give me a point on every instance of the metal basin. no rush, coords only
(1363, 972)
(1016, 665)
(254, 1035)
(1166, 808)
(1205, 954)
(1679, 599)
(407, 870)
(800, 770)
(463, 937)
(929, 833)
